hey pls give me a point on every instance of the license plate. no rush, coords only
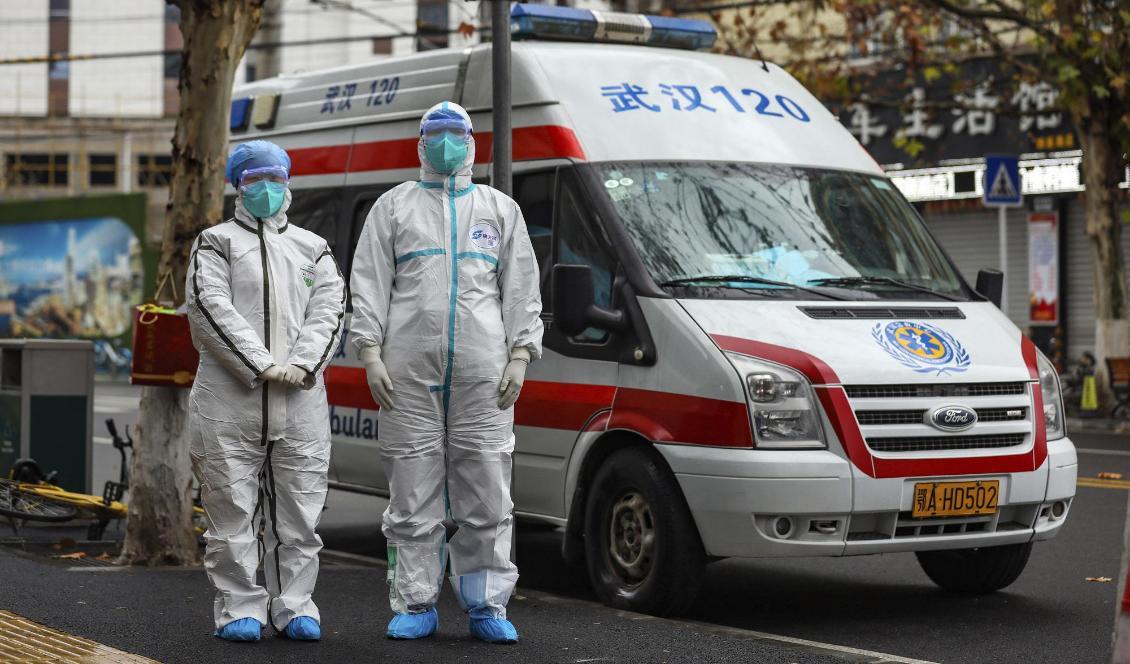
(955, 498)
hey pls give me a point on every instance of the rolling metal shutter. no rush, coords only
(970, 239)
(1080, 278)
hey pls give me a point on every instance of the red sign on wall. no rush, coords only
(1043, 267)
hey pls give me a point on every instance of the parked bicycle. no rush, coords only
(29, 494)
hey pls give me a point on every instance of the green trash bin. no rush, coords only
(47, 407)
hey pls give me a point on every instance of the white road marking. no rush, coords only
(1092, 450)
(737, 632)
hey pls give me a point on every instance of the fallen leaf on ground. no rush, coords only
(1099, 579)
(71, 556)
(1110, 476)
(105, 556)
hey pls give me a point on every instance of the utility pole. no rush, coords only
(500, 67)
(268, 61)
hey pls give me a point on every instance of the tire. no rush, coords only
(975, 571)
(658, 562)
(28, 506)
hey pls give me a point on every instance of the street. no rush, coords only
(880, 604)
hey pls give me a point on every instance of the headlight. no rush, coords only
(782, 405)
(1053, 398)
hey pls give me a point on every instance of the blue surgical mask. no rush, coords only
(446, 155)
(263, 198)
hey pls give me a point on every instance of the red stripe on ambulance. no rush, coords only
(530, 143)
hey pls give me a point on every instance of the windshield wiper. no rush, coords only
(741, 278)
(863, 281)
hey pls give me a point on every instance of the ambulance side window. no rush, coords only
(534, 194)
(579, 241)
(317, 211)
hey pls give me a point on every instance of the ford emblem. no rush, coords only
(953, 418)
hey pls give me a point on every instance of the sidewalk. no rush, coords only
(1099, 425)
(165, 614)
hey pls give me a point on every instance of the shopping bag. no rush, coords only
(163, 353)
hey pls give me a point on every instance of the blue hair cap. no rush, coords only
(254, 154)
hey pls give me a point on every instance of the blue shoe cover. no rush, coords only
(494, 630)
(413, 625)
(303, 628)
(244, 629)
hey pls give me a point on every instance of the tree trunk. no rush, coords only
(216, 34)
(1102, 169)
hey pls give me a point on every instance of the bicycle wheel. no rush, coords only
(29, 506)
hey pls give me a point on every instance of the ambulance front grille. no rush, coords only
(881, 417)
(935, 443)
(947, 390)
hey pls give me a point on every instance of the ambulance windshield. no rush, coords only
(775, 226)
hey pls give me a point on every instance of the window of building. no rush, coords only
(154, 170)
(103, 170)
(382, 46)
(37, 170)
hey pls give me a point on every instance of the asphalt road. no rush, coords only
(879, 603)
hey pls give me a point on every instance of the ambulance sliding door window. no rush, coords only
(578, 242)
(317, 211)
(534, 195)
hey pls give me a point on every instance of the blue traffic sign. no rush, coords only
(1002, 180)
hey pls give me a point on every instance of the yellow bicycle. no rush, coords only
(30, 495)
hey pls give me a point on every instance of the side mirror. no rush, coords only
(990, 284)
(573, 306)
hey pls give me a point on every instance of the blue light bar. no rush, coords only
(240, 114)
(548, 21)
(569, 24)
(686, 33)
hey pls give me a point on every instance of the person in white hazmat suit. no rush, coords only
(446, 318)
(266, 303)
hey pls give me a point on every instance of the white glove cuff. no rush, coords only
(521, 353)
(370, 354)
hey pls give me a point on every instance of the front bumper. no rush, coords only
(737, 497)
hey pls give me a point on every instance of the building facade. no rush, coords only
(91, 85)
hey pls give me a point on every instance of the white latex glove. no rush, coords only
(380, 385)
(293, 376)
(272, 373)
(513, 377)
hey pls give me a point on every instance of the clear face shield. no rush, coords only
(438, 127)
(276, 174)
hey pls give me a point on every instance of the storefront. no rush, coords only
(932, 141)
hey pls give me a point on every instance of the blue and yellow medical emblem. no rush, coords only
(921, 347)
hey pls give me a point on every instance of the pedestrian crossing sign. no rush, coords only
(1002, 181)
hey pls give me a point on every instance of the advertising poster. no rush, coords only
(69, 278)
(1043, 268)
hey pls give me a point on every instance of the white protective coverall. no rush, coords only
(261, 294)
(445, 282)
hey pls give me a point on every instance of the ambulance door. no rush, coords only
(353, 414)
(576, 378)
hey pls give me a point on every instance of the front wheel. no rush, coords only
(975, 571)
(16, 503)
(641, 545)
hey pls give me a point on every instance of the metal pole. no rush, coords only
(500, 67)
(1002, 230)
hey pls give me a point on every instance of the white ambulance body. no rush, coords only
(753, 346)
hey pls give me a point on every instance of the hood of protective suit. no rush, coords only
(463, 173)
(274, 222)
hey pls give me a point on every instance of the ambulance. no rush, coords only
(753, 345)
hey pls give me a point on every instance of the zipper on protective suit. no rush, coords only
(453, 298)
(266, 325)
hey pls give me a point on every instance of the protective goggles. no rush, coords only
(436, 128)
(269, 173)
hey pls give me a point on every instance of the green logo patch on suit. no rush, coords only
(308, 274)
